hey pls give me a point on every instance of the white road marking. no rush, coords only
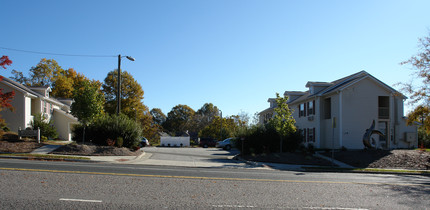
(80, 200)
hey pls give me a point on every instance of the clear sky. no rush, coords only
(232, 53)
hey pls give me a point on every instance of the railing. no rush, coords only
(383, 113)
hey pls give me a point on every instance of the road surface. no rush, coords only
(75, 185)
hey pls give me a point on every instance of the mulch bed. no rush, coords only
(394, 159)
(18, 146)
(93, 150)
(289, 158)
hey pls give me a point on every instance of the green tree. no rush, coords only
(131, 101)
(158, 116)
(221, 128)
(47, 129)
(283, 121)
(88, 102)
(179, 119)
(204, 116)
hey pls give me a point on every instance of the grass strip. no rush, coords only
(378, 170)
(45, 156)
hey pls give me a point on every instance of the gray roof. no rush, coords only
(340, 84)
(24, 88)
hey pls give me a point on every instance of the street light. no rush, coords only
(118, 96)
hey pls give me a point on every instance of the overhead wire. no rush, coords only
(59, 54)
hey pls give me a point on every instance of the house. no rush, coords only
(29, 101)
(336, 114)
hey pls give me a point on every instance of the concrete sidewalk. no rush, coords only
(46, 149)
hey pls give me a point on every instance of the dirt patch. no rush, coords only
(404, 159)
(93, 150)
(18, 146)
(289, 158)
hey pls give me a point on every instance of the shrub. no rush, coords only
(47, 129)
(265, 139)
(111, 127)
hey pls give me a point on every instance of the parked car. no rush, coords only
(144, 142)
(226, 144)
(207, 142)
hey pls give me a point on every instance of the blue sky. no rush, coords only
(232, 53)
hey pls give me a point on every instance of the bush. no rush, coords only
(47, 129)
(265, 139)
(122, 130)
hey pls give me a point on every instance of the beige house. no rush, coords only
(29, 101)
(337, 114)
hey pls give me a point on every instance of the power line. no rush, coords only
(60, 54)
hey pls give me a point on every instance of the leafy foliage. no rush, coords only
(131, 101)
(44, 72)
(47, 129)
(88, 102)
(179, 119)
(265, 139)
(111, 127)
(158, 116)
(5, 98)
(283, 121)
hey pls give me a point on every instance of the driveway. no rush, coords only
(191, 157)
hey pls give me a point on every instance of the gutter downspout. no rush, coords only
(340, 119)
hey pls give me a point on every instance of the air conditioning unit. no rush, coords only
(410, 137)
(311, 118)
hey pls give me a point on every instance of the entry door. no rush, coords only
(383, 127)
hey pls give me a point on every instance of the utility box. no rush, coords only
(175, 141)
(410, 137)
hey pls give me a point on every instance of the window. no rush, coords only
(302, 110)
(309, 134)
(383, 107)
(327, 108)
(311, 109)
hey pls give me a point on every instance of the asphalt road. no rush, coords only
(70, 185)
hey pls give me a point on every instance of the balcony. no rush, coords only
(384, 113)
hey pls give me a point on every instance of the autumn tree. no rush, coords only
(420, 64)
(49, 73)
(65, 82)
(5, 98)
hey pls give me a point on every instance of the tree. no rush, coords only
(64, 83)
(44, 72)
(158, 116)
(131, 93)
(283, 121)
(421, 65)
(5, 61)
(221, 128)
(205, 115)
(88, 102)
(5, 98)
(178, 119)
(131, 101)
